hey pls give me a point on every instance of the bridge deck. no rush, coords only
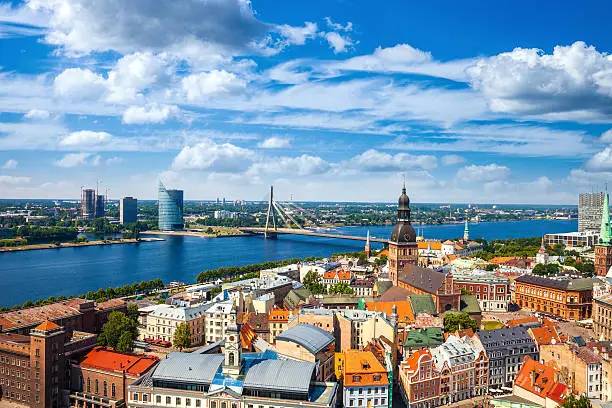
(295, 231)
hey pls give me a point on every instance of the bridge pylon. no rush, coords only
(269, 233)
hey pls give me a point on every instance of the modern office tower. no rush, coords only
(128, 210)
(99, 209)
(589, 211)
(170, 209)
(88, 203)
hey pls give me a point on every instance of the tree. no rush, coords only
(342, 288)
(572, 402)
(182, 336)
(454, 321)
(491, 267)
(312, 281)
(119, 332)
(132, 312)
(546, 270)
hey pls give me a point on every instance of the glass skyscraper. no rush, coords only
(170, 209)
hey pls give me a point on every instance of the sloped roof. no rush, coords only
(539, 379)
(394, 294)
(109, 360)
(470, 304)
(424, 279)
(427, 337)
(574, 284)
(284, 375)
(47, 325)
(383, 286)
(404, 310)
(525, 321)
(423, 304)
(366, 367)
(197, 368)
(312, 338)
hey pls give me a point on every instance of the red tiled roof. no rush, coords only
(47, 325)
(404, 309)
(279, 315)
(516, 322)
(107, 359)
(342, 275)
(36, 315)
(539, 379)
(361, 368)
(412, 362)
(110, 304)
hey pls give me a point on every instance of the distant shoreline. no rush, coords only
(36, 247)
(227, 233)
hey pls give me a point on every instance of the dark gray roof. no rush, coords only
(281, 375)
(573, 284)
(192, 367)
(425, 279)
(312, 338)
(504, 338)
(383, 286)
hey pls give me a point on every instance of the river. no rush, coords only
(71, 271)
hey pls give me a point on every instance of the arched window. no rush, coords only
(105, 389)
(97, 388)
(224, 405)
(231, 361)
(88, 384)
(113, 390)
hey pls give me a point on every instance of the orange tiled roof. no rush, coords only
(111, 304)
(516, 322)
(47, 325)
(543, 335)
(279, 315)
(360, 369)
(342, 275)
(36, 315)
(247, 335)
(498, 260)
(433, 245)
(404, 309)
(384, 252)
(539, 379)
(106, 359)
(412, 362)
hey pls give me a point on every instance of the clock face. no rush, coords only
(407, 236)
(231, 338)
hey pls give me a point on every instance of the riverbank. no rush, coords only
(35, 247)
(217, 232)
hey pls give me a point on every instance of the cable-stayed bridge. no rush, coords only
(277, 210)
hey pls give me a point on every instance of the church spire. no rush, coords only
(605, 234)
(466, 230)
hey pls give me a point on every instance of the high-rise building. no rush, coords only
(603, 249)
(589, 211)
(99, 208)
(403, 248)
(170, 209)
(128, 210)
(88, 203)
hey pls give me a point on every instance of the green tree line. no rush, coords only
(226, 272)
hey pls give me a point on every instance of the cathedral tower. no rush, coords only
(403, 248)
(603, 249)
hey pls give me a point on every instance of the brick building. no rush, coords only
(440, 285)
(101, 379)
(420, 380)
(603, 248)
(73, 314)
(403, 248)
(567, 299)
(602, 317)
(492, 291)
(34, 369)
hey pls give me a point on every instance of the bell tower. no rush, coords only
(232, 350)
(403, 248)
(603, 249)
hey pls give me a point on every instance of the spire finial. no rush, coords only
(404, 183)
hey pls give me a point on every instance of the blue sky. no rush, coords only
(500, 102)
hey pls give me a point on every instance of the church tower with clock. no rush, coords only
(403, 248)
(232, 362)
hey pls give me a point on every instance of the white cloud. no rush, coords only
(601, 160)
(206, 84)
(79, 84)
(298, 35)
(85, 138)
(149, 114)
(275, 142)
(337, 42)
(95, 161)
(72, 160)
(208, 155)
(337, 26)
(304, 165)
(452, 159)
(606, 137)
(112, 161)
(37, 114)
(83, 26)
(575, 78)
(375, 161)
(10, 164)
(489, 172)
(13, 180)
(134, 73)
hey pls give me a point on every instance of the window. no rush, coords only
(158, 399)
(97, 387)
(188, 402)
(213, 404)
(145, 397)
(135, 396)
(114, 390)
(168, 400)
(105, 389)
(198, 402)
(178, 401)
(88, 384)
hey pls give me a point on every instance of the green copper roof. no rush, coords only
(422, 304)
(466, 230)
(605, 234)
(470, 304)
(428, 337)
